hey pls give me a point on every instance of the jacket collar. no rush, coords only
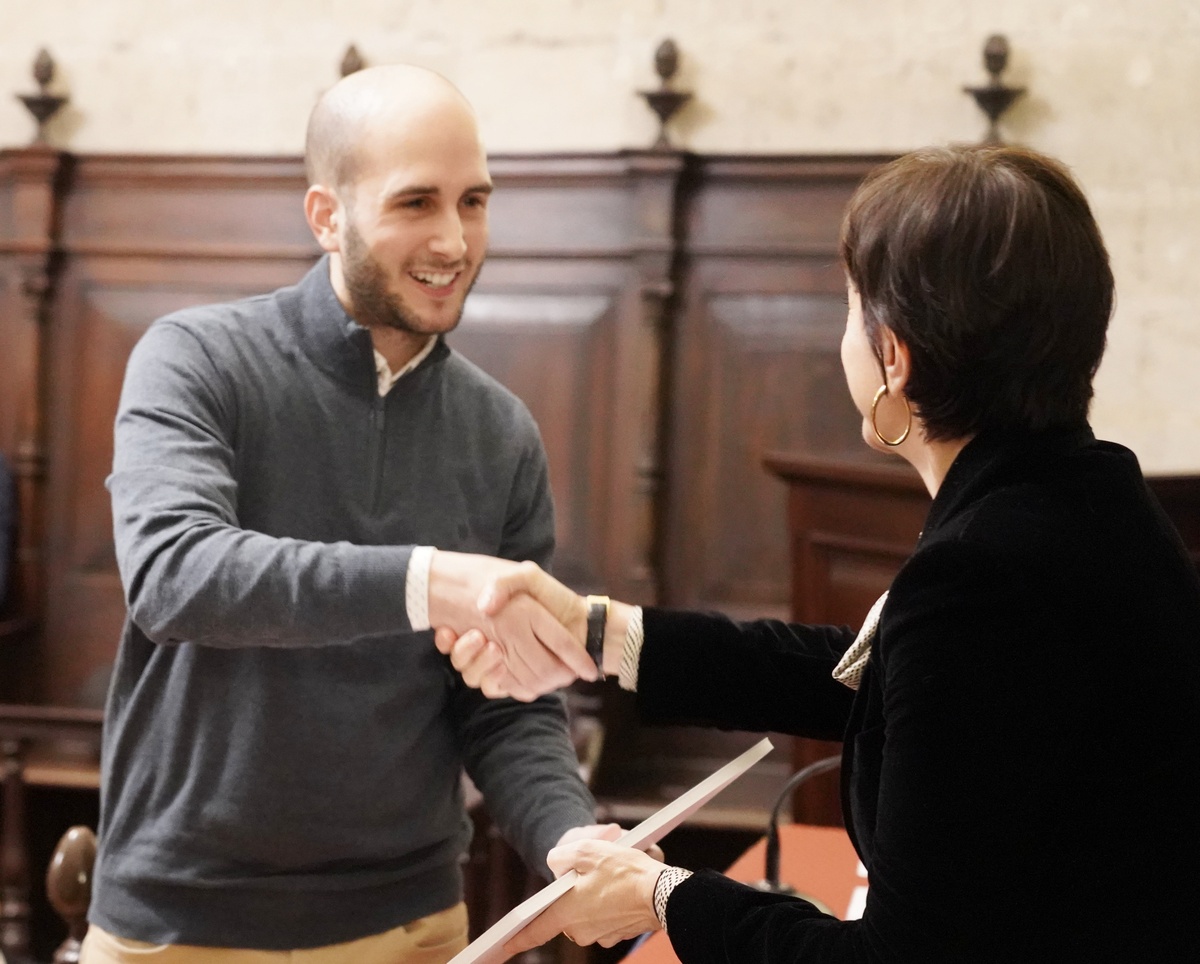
(334, 341)
(995, 458)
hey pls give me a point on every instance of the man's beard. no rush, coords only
(376, 306)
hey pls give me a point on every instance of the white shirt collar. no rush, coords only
(386, 379)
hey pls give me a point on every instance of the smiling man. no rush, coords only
(398, 196)
(304, 483)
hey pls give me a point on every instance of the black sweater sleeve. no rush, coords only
(705, 669)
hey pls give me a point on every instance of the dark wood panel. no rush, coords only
(513, 336)
(165, 208)
(756, 367)
(1180, 498)
(104, 304)
(584, 205)
(782, 207)
(774, 379)
(17, 338)
(30, 188)
(587, 225)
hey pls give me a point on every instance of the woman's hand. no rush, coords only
(520, 666)
(612, 900)
(541, 647)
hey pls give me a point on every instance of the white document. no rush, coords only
(488, 948)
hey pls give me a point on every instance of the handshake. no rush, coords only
(513, 630)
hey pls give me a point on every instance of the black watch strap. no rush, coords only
(597, 619)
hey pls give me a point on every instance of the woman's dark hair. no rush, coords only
(988, 264)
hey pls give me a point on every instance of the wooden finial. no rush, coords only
(995, 97)
(42, 105)
(69, 888)
(352, 61)
(664, 101)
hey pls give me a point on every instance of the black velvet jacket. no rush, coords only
(1021, 760)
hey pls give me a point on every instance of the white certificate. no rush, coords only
(488, 948)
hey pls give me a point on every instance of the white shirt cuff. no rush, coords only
(668, 880)
(632, 653)
(416, 587)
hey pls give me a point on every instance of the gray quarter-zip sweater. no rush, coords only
(282, 752)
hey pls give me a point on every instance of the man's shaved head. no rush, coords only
(398, 197)
(361, 103)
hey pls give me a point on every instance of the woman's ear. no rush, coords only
(321, 212)
(897, 361)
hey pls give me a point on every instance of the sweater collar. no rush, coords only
(995, 458)
(334, 341)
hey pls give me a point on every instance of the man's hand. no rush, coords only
(612, 900)
(593, 831)
(601, 831)
(528, 578)
(539, 647)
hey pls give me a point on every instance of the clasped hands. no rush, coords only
(509, 628)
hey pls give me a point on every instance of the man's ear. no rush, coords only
(897, 361)
(321, 210)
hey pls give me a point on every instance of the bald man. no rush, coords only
(304, 483)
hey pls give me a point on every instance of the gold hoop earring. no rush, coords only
(889, 442)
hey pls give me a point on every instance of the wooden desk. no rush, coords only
(818, 861)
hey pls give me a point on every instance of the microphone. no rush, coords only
(771, 883)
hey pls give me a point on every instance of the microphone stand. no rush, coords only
(771, 883)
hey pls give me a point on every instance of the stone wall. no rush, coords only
(1113, 92)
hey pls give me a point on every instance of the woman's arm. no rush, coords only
(692, 668)
(965, 781)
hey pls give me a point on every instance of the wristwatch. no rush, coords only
(597, 619)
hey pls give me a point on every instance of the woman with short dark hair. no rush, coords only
(989, 267)
(1021, 711)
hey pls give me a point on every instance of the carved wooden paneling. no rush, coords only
(775, 380)
(140, 237)
(757, 367)
(588, 225)
(513, 336)
(29, 209)
(162, 208)
(1180, 498)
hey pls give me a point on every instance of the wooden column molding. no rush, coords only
(648, 486)
(30, 192)
(658, 178)
(14, 864)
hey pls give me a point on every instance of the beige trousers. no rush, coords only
(431, 940)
